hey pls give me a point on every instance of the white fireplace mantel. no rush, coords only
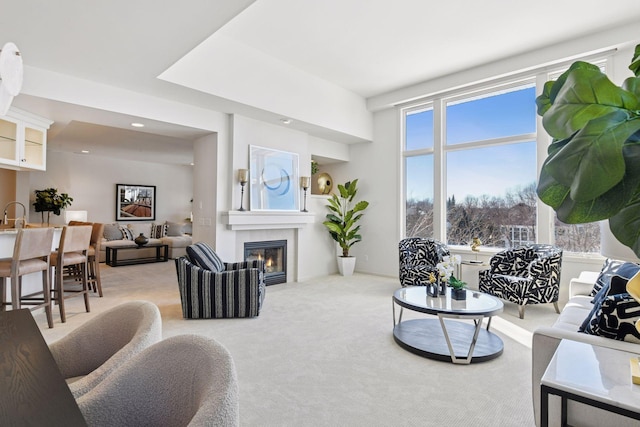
(266, 220)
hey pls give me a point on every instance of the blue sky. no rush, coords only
(491, 170)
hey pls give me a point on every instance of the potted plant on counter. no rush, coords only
(341, 223)
(49, 200)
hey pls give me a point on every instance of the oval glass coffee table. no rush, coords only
(453, 340)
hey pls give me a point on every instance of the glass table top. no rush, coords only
(416, 298)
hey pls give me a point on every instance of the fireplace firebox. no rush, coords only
(274, 254)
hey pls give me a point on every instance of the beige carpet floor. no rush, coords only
(322, 353)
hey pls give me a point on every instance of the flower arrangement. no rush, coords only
(446, 269)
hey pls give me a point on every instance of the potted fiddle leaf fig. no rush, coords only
(49, 200)
(341, 222)
(592, 171)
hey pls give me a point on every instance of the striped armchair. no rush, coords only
(211, 288)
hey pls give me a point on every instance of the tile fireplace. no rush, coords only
(274, 253)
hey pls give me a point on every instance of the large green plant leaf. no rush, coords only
(632, 84)
(569, 211)
(625, 225)
(592, 171)
(635, 62)
(591, 162)
(543, 102)
(583, 95)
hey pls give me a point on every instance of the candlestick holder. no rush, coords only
(243, 177)
(304, 183)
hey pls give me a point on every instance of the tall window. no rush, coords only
(470, 169)
(490, 154)
(419, 172)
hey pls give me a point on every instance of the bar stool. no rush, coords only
(31, 254)
(94, 254)
(72, 252)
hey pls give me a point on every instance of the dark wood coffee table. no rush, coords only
(453, 341)
(162, 254)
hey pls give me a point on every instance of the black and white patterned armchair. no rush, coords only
(525, 275)
(210, 288)
(418, 258)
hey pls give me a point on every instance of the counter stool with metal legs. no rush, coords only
(31, 254)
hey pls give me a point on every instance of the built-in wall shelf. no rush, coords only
(266, 220)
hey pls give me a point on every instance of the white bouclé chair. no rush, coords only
(88, 354)
(185, 380)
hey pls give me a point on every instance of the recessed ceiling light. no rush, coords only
(286, 121)
(137, 125)
(85, 151)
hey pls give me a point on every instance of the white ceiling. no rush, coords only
(368, 47)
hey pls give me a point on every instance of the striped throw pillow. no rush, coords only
(158, 231)
(127, 234)
(203, 256)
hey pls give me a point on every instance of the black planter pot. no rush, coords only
(459, 294)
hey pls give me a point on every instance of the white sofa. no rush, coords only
(176, 235)
(547, 339)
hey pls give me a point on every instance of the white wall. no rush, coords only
(312, 248)
(91, 181)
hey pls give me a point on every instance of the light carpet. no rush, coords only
(322, 353)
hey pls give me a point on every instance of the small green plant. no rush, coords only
(48, 200)
(341, 222)
(456, 283)
(314, 167)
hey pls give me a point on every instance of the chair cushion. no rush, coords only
(140, 227)
(203, 256)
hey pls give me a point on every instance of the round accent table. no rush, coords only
(451, 340)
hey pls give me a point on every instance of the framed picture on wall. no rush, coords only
(135, 202)
(274, 178)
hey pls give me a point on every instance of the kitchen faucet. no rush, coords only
(15, 223)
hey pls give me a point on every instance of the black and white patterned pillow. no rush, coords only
(616, 319)
(158, 231)
(127, 234)
(609, 269)
(617, 285)
(203, 256)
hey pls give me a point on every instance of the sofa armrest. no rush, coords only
(546, 341)
(241, 265)
(583, 284)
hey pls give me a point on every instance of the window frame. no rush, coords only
(545, 215)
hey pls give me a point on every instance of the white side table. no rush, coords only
(593, 375)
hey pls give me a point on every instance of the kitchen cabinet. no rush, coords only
(23, 140)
